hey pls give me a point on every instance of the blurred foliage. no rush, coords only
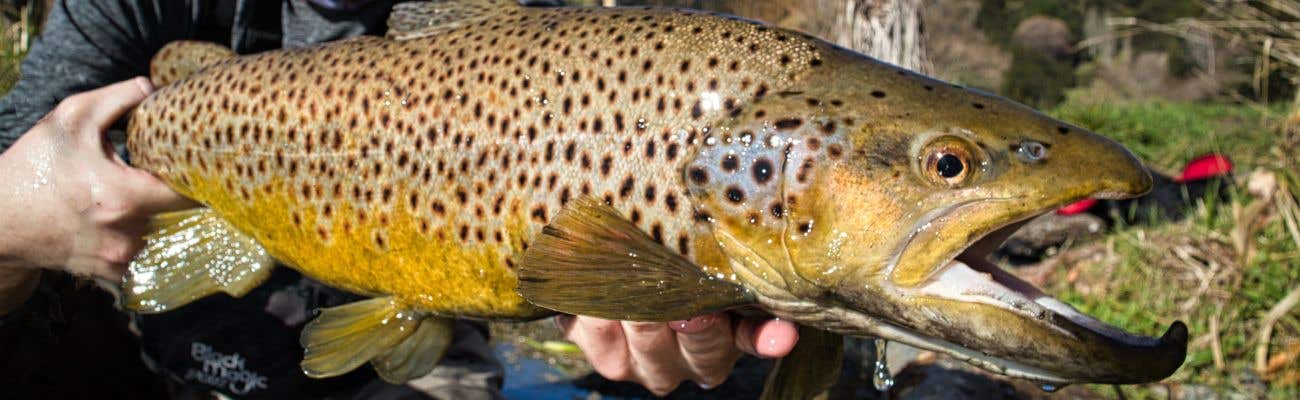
(1168, 134)
(1037, 79)
(18, 26)
(1042, 81)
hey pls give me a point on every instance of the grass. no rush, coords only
(1221, 269)
(1169, 134)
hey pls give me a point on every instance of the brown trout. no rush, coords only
(492, 161)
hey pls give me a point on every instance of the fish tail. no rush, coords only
(180, 59)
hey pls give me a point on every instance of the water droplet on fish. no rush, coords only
(882, 380)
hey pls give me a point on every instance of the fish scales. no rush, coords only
(488, 160)
(423, 168)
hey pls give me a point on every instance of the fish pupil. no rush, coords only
(949, 166)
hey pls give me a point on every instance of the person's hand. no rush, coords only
(660, 356)
(67, 200)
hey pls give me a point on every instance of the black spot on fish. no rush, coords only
(735, 194)
(788, 123)
(762, 170)
(698, 175)
(730, 163)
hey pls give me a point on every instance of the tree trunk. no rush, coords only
(890, 30)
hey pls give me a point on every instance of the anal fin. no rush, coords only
(810, 370)
(416, 356)
(592, 261)
(191, 254)
(401, 344)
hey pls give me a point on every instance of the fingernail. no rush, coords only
(145, 85)
(704, 386)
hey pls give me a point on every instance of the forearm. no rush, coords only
(18, 277)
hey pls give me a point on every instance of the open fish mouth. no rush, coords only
(1057, 344)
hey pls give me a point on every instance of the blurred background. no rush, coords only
(1174, 80)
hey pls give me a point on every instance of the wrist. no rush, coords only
(16, 286)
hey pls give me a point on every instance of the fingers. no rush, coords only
(602, 342)
(656, 357)
(660, 355)
(706, 347)
(105, 254)
(95, 111)
(771, 338)
(151, 196)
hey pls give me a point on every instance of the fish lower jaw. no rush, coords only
(845, 321)
(973, 279)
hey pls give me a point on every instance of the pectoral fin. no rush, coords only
(810, 370)
(191, 254)
(401, 344)
(424, 18)
(592, 261)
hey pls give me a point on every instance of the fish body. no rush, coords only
(422, 168)
(638, 163)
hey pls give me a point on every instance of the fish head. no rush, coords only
(893, 190)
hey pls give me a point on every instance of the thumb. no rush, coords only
(766, 338)
(95, 111)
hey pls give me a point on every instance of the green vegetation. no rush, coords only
(1168, 134)
(1221, 269)
(17, 29)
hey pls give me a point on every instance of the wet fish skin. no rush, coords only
(424, 166)
(415, 164)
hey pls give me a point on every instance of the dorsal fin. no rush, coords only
(180, 59)
(423, 18)
(592, 261)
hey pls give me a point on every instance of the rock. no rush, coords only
(1047, 35)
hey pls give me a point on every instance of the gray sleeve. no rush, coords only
(86, 44)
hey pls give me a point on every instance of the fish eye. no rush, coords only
(948, 162)
(949, 166)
